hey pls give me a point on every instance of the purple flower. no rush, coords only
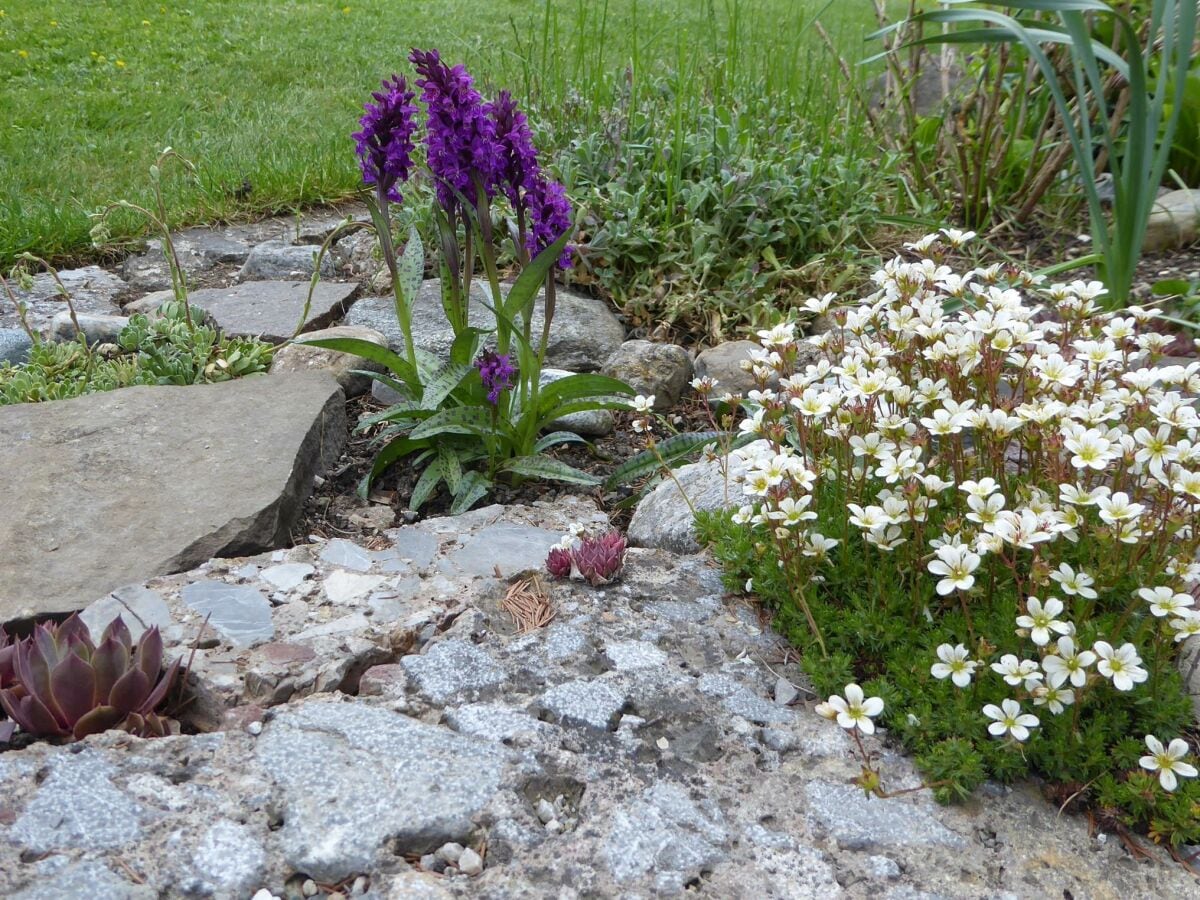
(496, 371)
(460, 137)
(518, 170)
(550, 217)
(384, 146)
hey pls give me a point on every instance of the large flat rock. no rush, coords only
(583, 334)
(112, 488)
(271, 310)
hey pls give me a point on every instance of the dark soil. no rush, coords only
(336, 510)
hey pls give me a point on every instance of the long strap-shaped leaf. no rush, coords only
(375, 353)
(547, 467)
(456, 420)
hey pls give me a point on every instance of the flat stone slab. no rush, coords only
(357, 778)
(109, 489)
(271, 310)
(583, 334)
(92, 290)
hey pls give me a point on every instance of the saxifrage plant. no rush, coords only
(478, 416)
(989, 519)
(63, 685)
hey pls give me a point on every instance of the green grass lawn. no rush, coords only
(261, 95)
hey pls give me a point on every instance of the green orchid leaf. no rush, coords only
(667, 453)
(393, 361)
(444, 383)
(557, 437)
(474, 487)
(457, 420)
(545, 467)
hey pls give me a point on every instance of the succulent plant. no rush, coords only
(64, 685)
(558, 563)
(7, 679)
(596, 560)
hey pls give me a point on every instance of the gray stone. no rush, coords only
(199, 251)
(148, 305)
(723, 363)
(452, 669)
(666, 834)
(492, 721)
(296, 356)
(882, 867)
(470, 863)
(272, 310)
(415, 545)
(588, 423)
(1188, 663)
(346, 587)
(661, 370)
(96, 329)
(741, 701)
(279, 259)
(287, 576)
(1173, 221)
(565, 642)
(229, 860)
(859, 822)
(663, 517)
(77, 807)
(626, 655)
(92, 290)
(139, 608)
(241, 614)
(110, 488)
(60, 878)
(583, 335)
(591, 704)
(347, 554)
(15, 345)
(358, 781)
(506, 548)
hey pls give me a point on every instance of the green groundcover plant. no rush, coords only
(162, 350)
(987, 518)
(478, 416)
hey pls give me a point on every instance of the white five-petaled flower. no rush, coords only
(1167, 761)
(1042, 619)
(1055, 697)
(1186, 625)
(856, 710)
(954, 665)
(1009, 720)
(1069, 664)
(1164, 601)
(955, 564)
(1074, 583)
(1122, 665)
(642, 403)
(1018, 671)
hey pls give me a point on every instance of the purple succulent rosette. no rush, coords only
(384, 145)
(497, 372)
(460, 137)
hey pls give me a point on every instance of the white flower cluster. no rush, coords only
(1040, 445)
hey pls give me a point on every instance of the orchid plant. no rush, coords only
(481, 415)
(988, 517)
